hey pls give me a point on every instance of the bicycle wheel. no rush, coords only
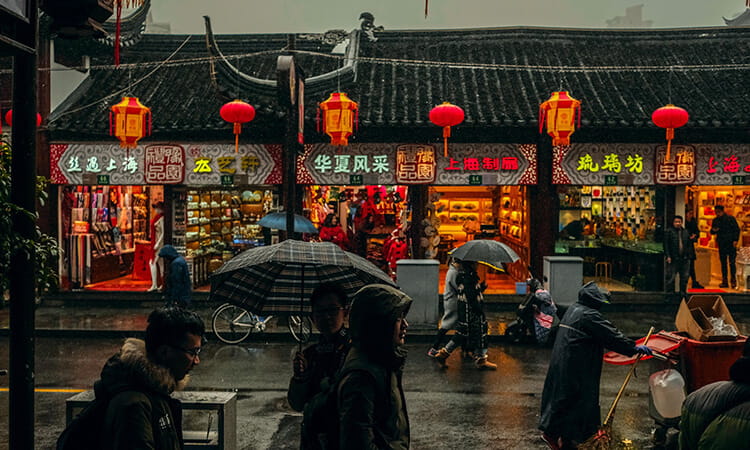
(300, 327)
(232, 324)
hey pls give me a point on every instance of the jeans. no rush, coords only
(728, 254)
(681, 267)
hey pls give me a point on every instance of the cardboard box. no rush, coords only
(692, 317)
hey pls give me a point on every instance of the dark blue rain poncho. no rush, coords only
(178, 287)
(570, 401)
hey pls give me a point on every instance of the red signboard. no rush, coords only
(415, 164)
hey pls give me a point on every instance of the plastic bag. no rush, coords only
(721, 328)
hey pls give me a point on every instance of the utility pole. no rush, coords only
(22, 280)
(290, 83)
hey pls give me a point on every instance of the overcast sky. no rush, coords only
(271, 16)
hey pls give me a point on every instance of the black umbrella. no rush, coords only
(492, 253)
(277, 221)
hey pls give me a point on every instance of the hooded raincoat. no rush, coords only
(717, 416)
(178, 286)
(570, 401)
(141, 414)
(371, 403)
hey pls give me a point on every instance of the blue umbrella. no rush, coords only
(277, 221)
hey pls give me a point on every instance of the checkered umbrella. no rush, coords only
(280, 278)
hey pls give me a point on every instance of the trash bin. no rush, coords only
(419, 279)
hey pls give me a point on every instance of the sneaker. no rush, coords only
(484, 364)
(697, 285)
(551, 442)
(442, 355)
(432, 353)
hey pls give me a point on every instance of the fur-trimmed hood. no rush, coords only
(131, 367)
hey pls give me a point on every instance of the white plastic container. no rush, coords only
(668, 392)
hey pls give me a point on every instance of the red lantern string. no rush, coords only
(426, 3)
(117, 33)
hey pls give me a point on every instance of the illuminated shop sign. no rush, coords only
(87, 163)
(508, 164)
(218, 164)
(721, 164)
(600, 164)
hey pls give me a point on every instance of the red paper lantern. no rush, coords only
(129, 121)
(446, 115)
(237, 112)
(670, 117)
(340, 117)
(559, 113)
(9, 118)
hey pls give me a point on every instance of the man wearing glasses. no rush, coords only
(140, 378)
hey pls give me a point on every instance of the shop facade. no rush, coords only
(107, 197)
(476, 191)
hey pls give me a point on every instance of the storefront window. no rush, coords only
(102, 229)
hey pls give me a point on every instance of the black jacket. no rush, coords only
(727, 230)
(570, 400)
(324, 359)
(672, 244)
(178, 286)
(141, 415)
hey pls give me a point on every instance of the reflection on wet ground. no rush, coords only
(457, 407)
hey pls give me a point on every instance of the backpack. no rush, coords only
(320, 418)
(82, 433)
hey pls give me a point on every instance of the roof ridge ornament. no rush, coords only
(368, 26)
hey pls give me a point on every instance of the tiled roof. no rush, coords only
(399, 95)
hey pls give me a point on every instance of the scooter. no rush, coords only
(537, 316)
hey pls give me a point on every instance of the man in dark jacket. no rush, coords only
(371, 402)
(679, 251)
(178, 287)
(727, 234)
(140, 378)
(717, 416)
(323, 359)
(570, 401)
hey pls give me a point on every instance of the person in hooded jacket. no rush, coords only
(570, 411)
(717, 416)
(140, 379)
(371, 402)
(450, 308)
(179, 288)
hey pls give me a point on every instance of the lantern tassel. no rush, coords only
(356, 118)
(317, 121)
(236, 143)
(541, 120)
(426, 7)
(150, 123)
(446, 135)
(670, 136)
(111, 124)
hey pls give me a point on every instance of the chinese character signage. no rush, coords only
(165, 164)
(87, 163)
(721, 164)
(189, 164)
(680, 169)
(415, 164)
(508, 164)
(597, 164)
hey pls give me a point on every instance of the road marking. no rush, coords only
(74, 391)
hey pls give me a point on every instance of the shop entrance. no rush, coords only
(485, 212)
(105, 236)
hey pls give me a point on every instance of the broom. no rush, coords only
(602, 440)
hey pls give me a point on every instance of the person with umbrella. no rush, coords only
(471, 328)
(570, 401)
(322, 360)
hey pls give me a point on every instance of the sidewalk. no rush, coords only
(123, 320)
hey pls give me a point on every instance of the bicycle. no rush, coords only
(232, 324)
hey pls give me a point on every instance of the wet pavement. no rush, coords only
(459, 407)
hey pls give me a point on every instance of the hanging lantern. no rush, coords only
(670, 117)
(340, 117)
(237, 112)
(9, 118)
(560, 114)
(446, 115)
(129, 121)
